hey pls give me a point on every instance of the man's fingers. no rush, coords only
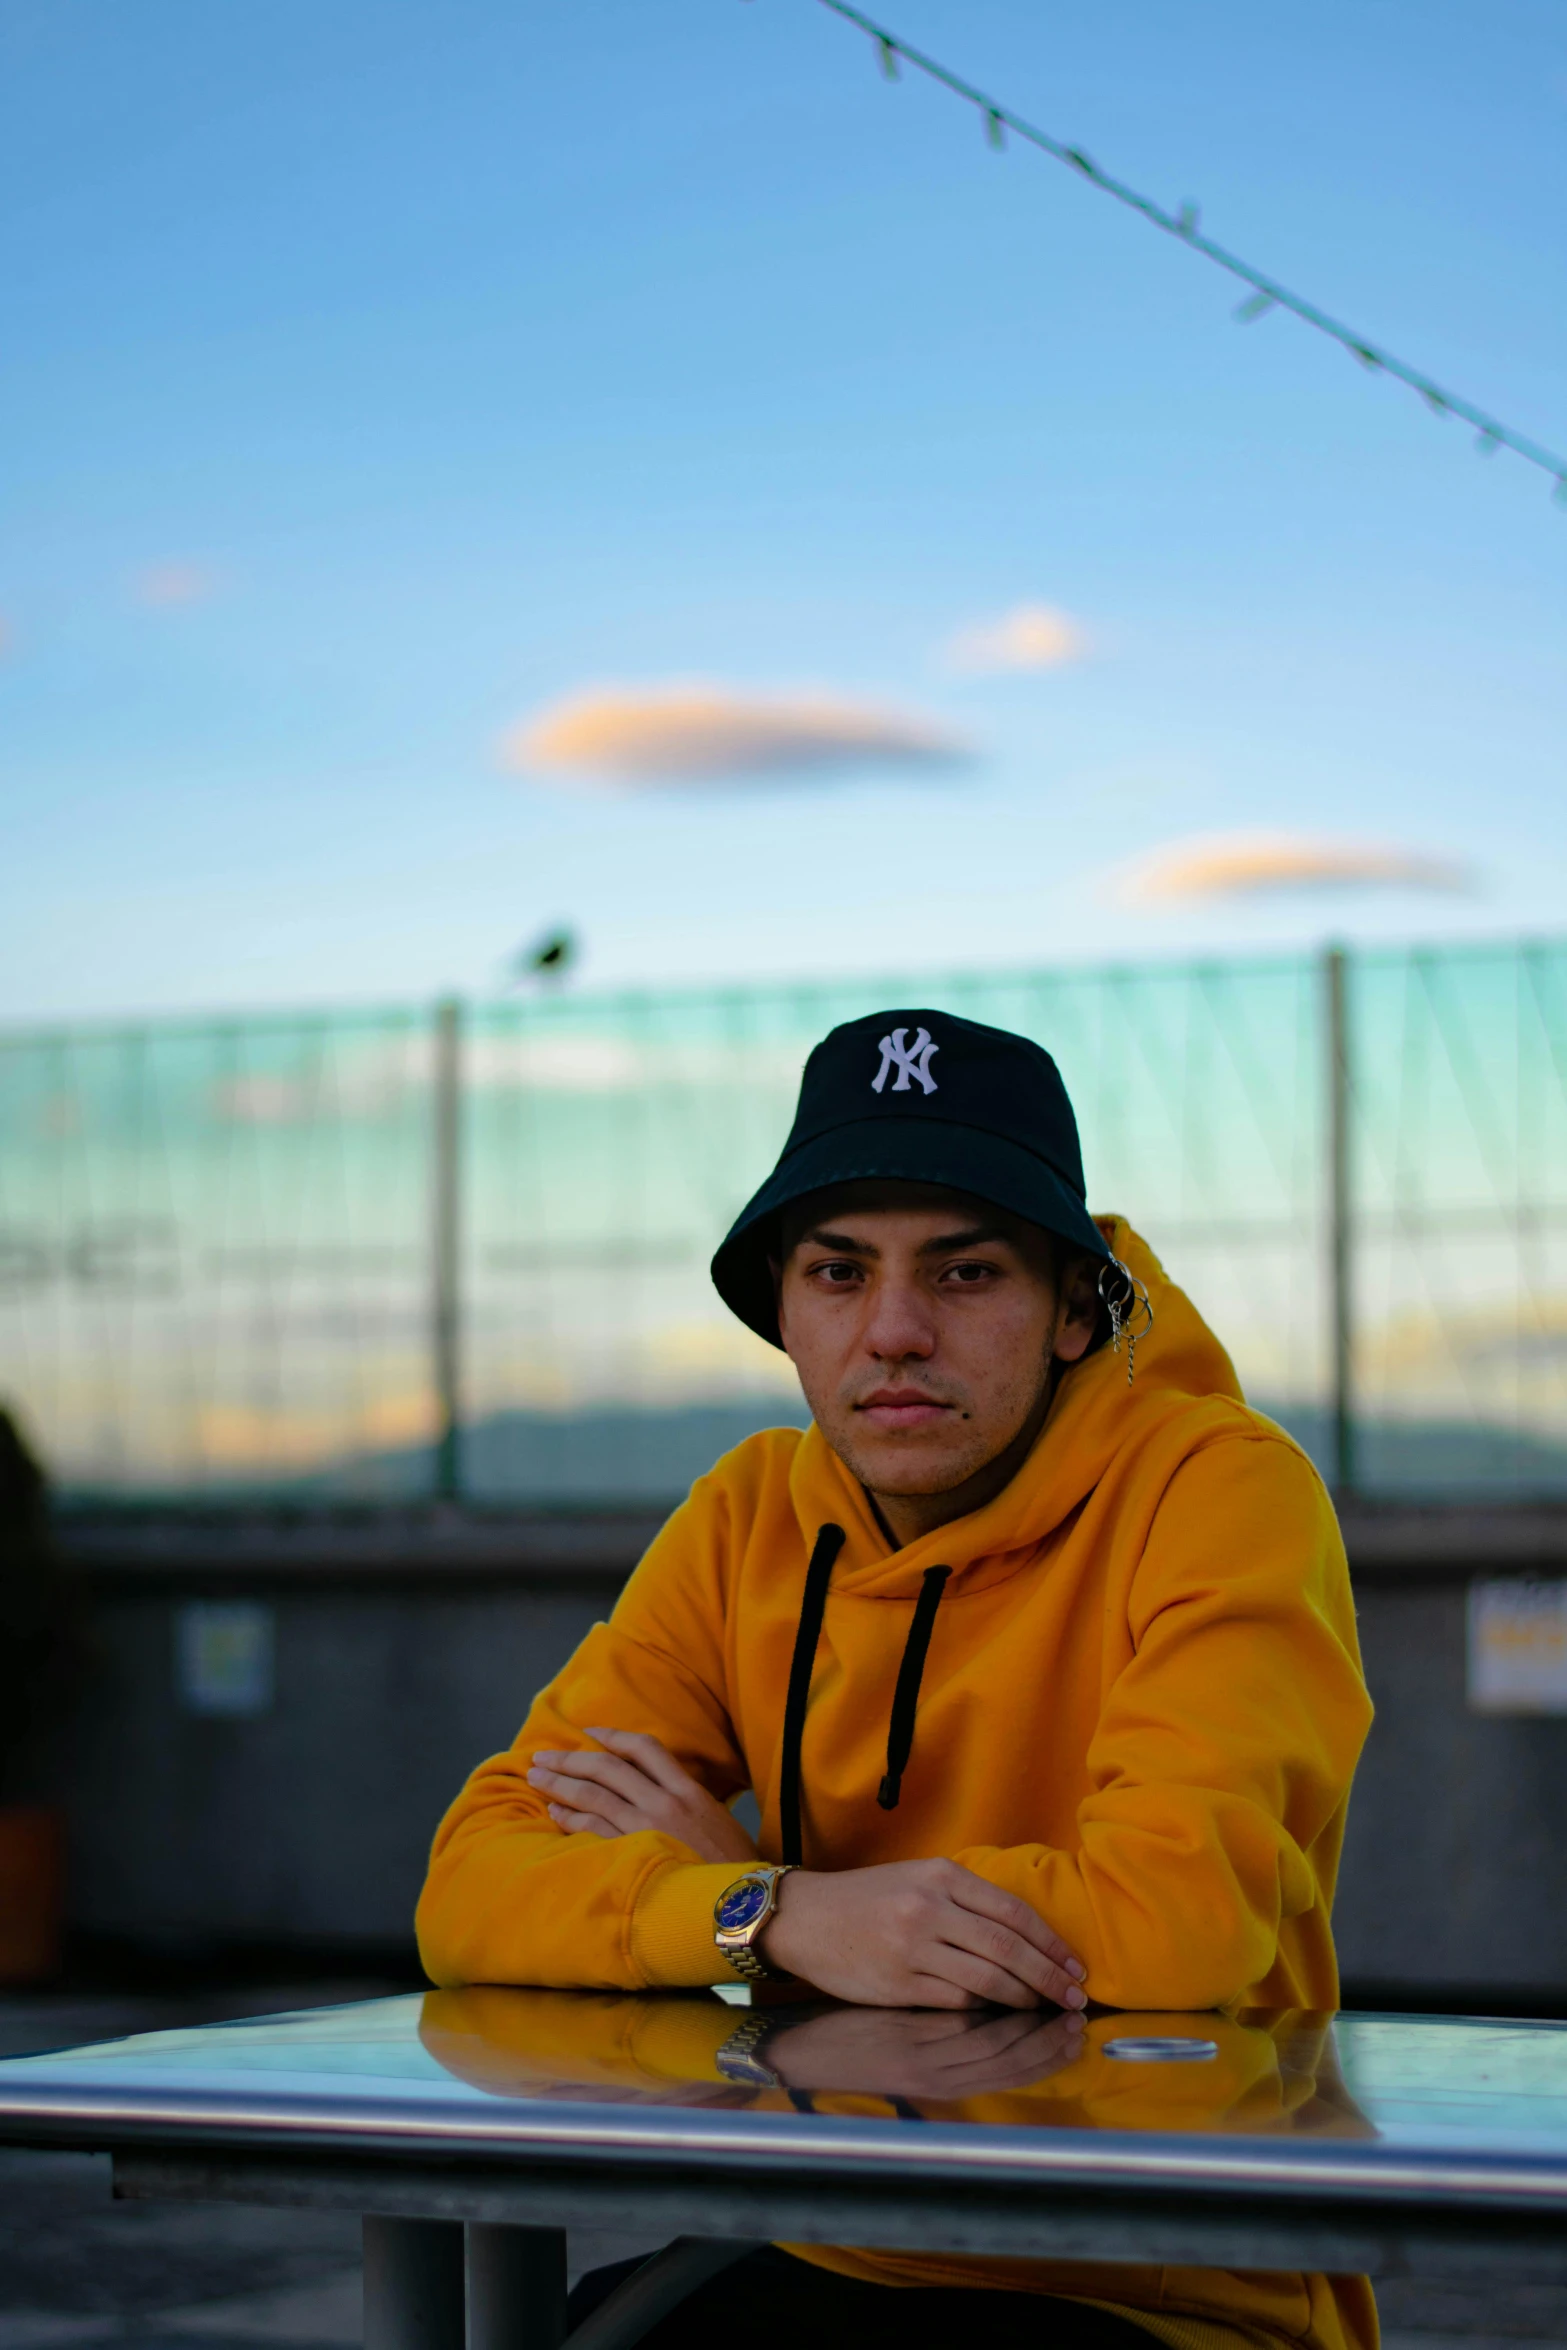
(579, 1823)
(983, 1977)
(1000, 1947)
(592, 1797)
(548, 1770)
(981, 1935)
(591, 1762)
(602, 1770)
(647, 1755)
(977, 1893)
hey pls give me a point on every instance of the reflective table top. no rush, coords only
(1474, 2111)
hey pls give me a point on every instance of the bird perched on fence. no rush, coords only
(549, 957)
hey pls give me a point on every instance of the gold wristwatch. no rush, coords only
(741, 1912)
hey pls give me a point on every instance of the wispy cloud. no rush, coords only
(162, 586)
(703, 733)
(1030, 636)
(1237, 865)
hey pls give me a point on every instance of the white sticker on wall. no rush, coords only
(1518, 1648)
(224, 1652)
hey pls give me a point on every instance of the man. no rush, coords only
(1036, 1649)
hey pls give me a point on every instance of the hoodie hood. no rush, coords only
(1184, 1382)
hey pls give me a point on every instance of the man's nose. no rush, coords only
(900, 1323)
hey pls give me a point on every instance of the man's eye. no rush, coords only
(970, 1275)
(840, 1274)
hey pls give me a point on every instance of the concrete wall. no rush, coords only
(1455, 1869)
(311, 1821)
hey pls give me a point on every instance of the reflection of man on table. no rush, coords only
(1036, 1649)
(1270, 2074)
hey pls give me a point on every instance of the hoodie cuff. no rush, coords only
(672, 1924)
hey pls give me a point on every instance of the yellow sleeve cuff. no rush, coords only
(672, 1925)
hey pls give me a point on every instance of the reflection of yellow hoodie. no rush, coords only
(1274, 2076)
(1141, 1707)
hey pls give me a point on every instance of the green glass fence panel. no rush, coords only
(1460, 1165)
(212, 1250)
(217, 1280)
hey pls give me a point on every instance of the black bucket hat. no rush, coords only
(922, 1097)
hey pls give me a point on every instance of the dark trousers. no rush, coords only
(771, 2301)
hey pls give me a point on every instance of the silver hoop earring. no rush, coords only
(1125, 1299)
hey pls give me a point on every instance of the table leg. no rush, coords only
(516, 2288)
(413, 2284)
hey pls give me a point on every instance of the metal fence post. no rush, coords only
(1336, 1045)
(446, 1247)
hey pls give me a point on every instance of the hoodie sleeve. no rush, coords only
(1224, 1749)
(512, 1898)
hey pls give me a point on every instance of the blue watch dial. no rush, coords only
(743, 1903)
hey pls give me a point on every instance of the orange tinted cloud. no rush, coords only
(163, 585)
(1031, 636)
(1249, 864)
(699, 733)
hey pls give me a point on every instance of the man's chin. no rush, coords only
(906, 1467)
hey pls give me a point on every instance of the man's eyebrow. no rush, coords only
(844, 1244)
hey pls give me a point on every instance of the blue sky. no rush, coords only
(376, 376)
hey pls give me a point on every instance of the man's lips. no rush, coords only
(901, 1407)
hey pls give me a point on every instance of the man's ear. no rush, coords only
(1079, 1315)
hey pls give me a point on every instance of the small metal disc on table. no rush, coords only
(1162, 2051)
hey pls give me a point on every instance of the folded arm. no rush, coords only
(517, 1894)
(1225, 1748)
(912, 1933)
(629, 1782)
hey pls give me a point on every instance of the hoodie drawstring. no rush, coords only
(905, 1696)
(812, 1609)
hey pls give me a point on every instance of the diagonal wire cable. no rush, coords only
(1266, 292)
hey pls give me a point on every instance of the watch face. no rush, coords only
(743, 1904)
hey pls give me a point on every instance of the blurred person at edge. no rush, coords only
(1036, 1649)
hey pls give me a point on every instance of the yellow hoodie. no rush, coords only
(1141, 1710)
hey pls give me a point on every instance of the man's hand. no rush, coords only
(918, 1933)
(635, 1784)
(892, 2053)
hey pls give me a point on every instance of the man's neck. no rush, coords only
(905, 1517)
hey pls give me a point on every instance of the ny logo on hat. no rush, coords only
(909, 1061)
